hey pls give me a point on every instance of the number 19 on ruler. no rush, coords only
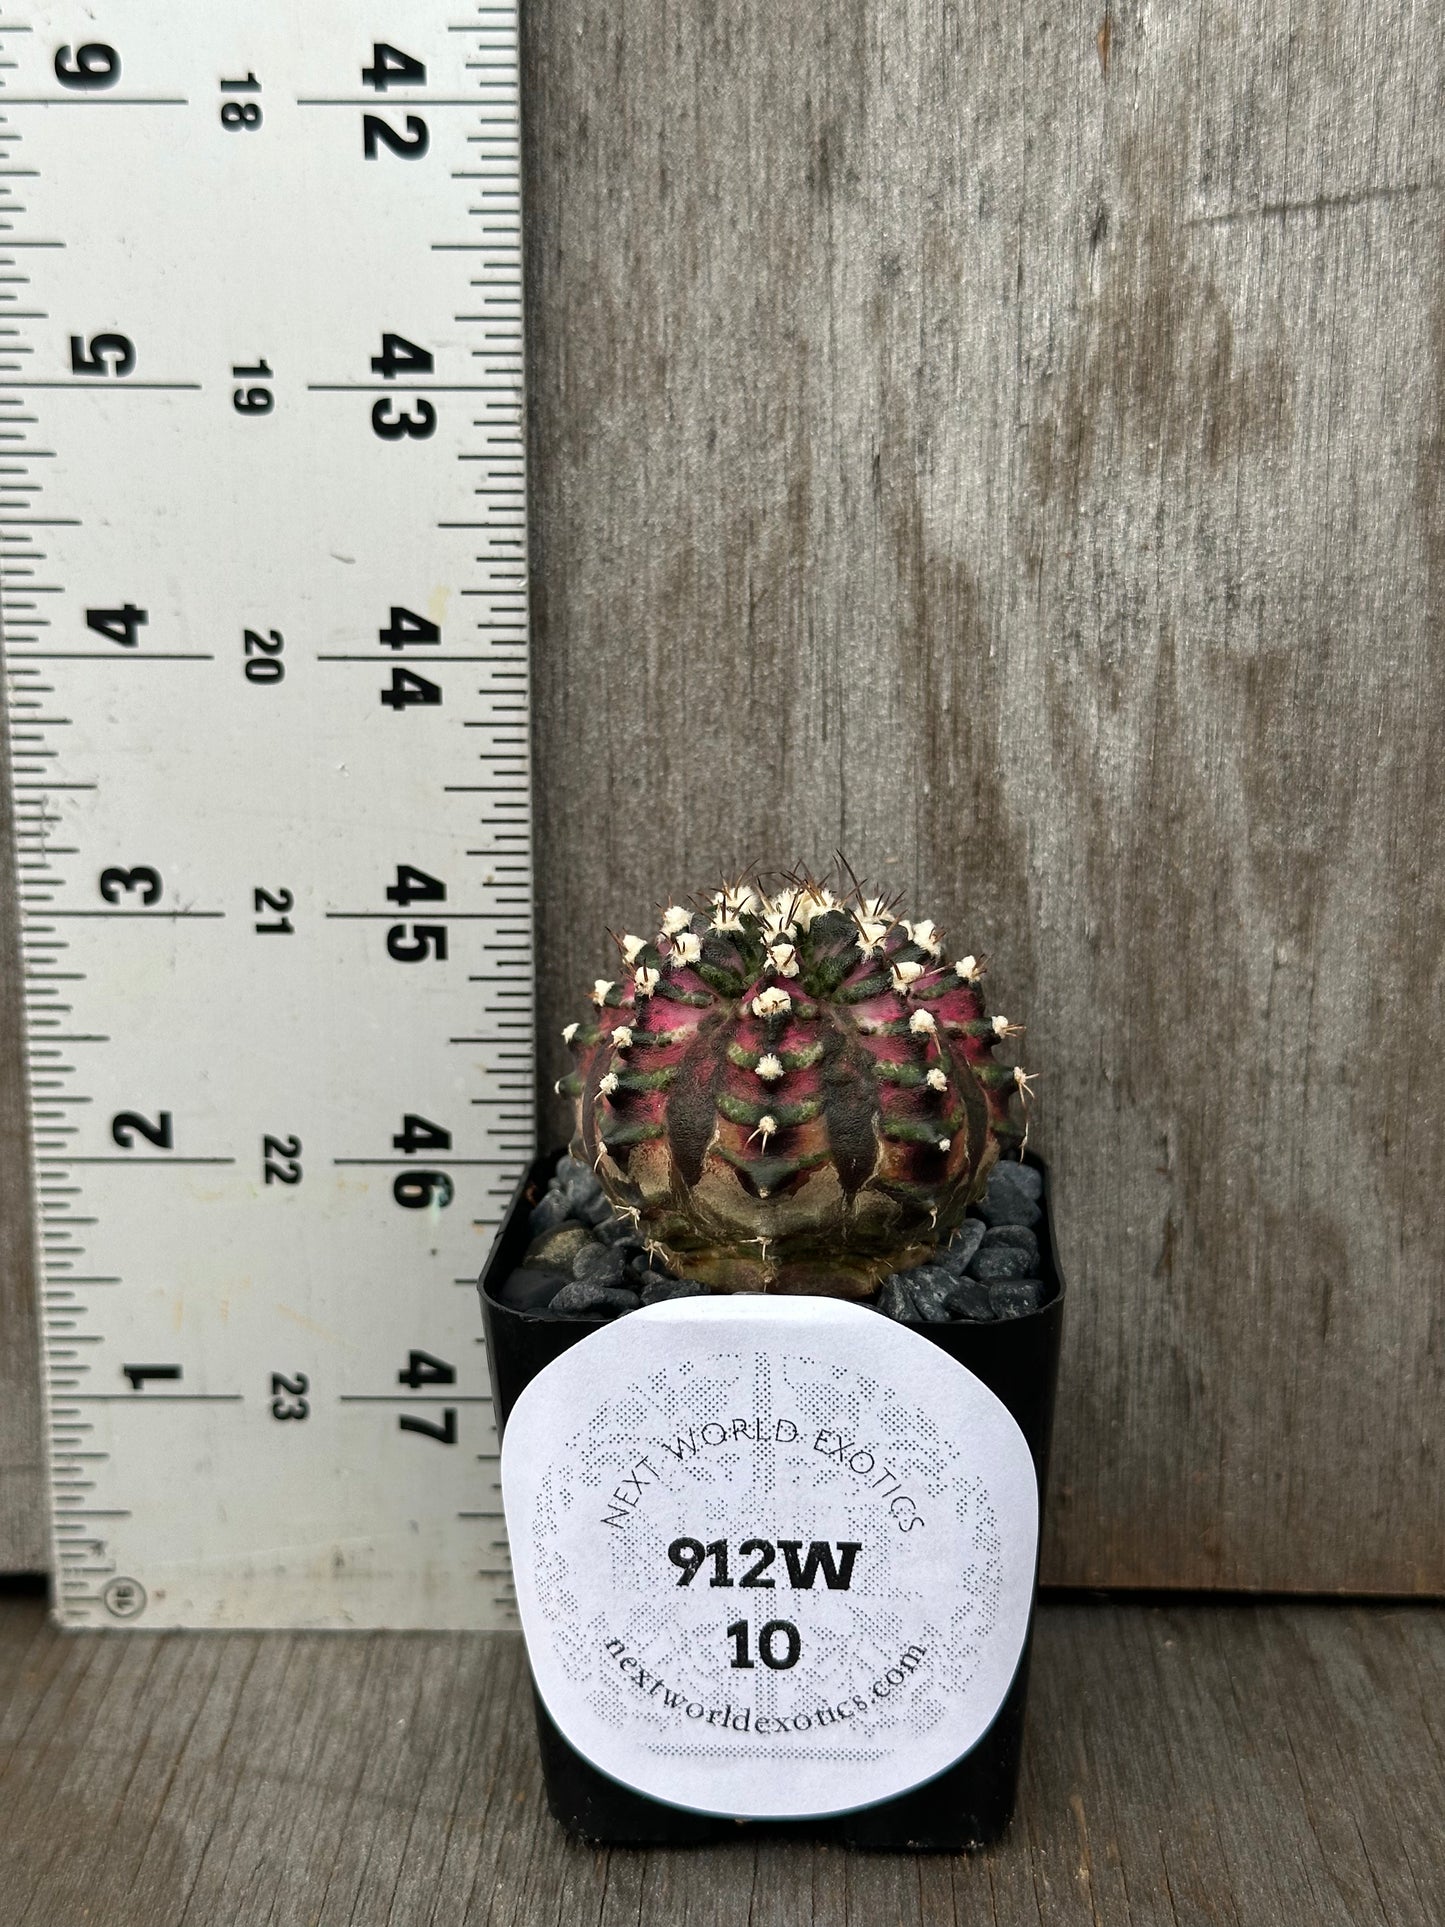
(263, 586)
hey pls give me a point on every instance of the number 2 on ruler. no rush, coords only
(264, 600)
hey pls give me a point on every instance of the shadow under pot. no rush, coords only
(776, 1557)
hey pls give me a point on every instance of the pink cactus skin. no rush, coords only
(805, 1121)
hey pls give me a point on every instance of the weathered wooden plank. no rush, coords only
(1009, 450)
(1191, 1766)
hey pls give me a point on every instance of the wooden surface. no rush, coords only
(1007, 445)
(1245, 1766)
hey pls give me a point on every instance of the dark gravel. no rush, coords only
(931, 1288)
(558, 1248)
(971, 1300)
(576, 1183)
(1022, 1177)
(1011, 1237)
(583, 1260)
(601, 1265)
(530, 1290)
(1003, 1255)
(1013, 1195)
(895, 1300)
(1008, 1206)
(956, 1254)
(1015, 1297)
(617, 1231)
(659, 1290)
(552, 1211)
(586, 1295)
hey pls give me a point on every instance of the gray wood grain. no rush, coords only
(1184, 1766)
(1008, 447)
(1009, 451)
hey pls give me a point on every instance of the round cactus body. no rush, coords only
(791, 1091)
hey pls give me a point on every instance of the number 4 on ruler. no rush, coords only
(196, 672)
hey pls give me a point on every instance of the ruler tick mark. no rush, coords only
(155, 1398)
(130, 1157)
(126, 387)
(92, 100)
(154, 1044)
(412, 1398)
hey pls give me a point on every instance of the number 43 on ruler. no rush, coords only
(263, 585)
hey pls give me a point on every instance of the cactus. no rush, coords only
(791, 1090)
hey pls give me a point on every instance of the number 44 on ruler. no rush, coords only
(263, 589)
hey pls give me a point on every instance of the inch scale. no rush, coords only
(264, 601)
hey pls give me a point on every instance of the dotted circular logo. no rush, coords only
(774, 1556)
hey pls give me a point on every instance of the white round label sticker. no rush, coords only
(774, 1556)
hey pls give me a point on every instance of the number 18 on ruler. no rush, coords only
(263, 591)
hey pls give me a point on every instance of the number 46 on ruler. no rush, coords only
(263, 587)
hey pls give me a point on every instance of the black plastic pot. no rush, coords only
(969, 1804)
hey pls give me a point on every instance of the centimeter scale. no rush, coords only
(263, 590)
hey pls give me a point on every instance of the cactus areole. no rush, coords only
(791, 1091)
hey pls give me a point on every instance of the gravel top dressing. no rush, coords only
(586, 1261)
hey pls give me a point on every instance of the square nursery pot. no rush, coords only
(616, 1479)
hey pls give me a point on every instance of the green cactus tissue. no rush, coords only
(791, 1090)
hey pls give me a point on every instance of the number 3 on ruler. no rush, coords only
(115, 883)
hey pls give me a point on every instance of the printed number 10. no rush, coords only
(778, 1644)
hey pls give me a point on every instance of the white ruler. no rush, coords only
(264, 608)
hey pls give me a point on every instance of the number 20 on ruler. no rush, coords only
(111, 355)
(96, 65)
